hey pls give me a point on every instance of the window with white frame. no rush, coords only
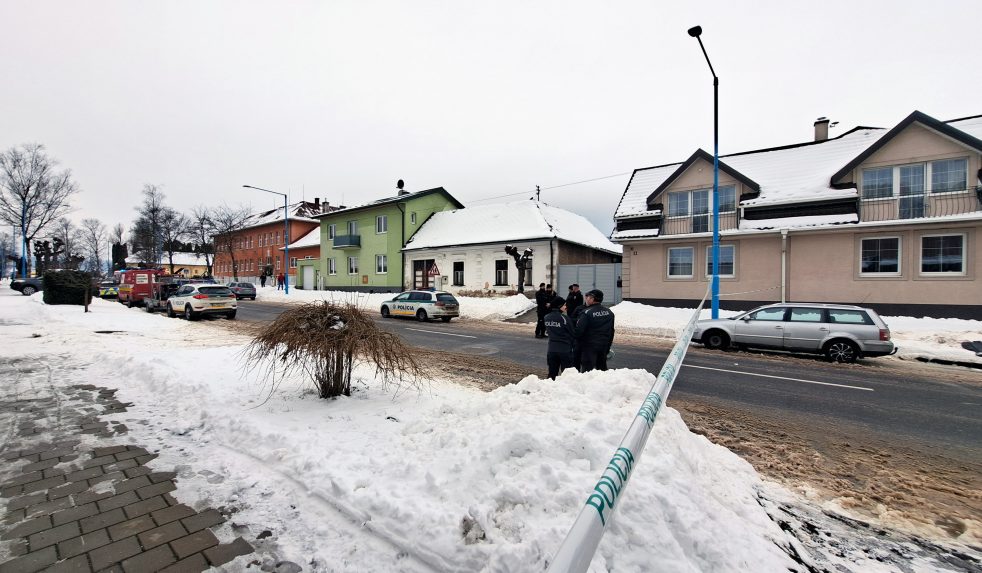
(698, 204)
(332, 266)
(880, 256)
(381, 224)
(381, 264)
(352, 228)
(412, 218)
(680, 262)
(943, 254)
(727, 261)
(293, 262)
(916, 179)
(331, 231)
(500, 272)
(458, 273)
(352, 265)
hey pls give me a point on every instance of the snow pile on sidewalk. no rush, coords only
(451, 479)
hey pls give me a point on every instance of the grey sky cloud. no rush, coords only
(339, 100)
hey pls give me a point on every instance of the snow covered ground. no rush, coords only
(447, 479)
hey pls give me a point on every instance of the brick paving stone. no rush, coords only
(83, 543)
(207, 518)
(21, 480)
(90, 496)
(11, 491)
(117, 501)
(137, 471)
(156, 489)
(68, 458)
(40, 465)
(131, 484)
(108, 451)
(78, 564)
(19, 547)
(100, 461)
(82, 475)
(170, 499)
(15, 516)
(168, 514)
(153, 560)
(111, 476)
(225, 552)
(194, 543)
(48, 507)
(74, 514)
(54, 535)
(43, 484)
(107, 555)
(162, 534)
(102, 520)
(131, 527)
(67, 489)
(145, 506)
(26, 500)
(120, 466)
(130, 453)
(52, 472)
(58, 452)
(193, 564)
(157, 477)
(144, 459)
(31, 562)
(29, 527)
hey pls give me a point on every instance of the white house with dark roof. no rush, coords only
(889, 218)
(464, 249)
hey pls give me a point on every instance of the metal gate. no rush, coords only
(606, 277)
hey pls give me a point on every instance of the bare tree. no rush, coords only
(226, 226)
(145, 236)
(7, 253)
(94, 244)
(119, 252)
(68, 235)
(174, 228)
(199, 224)
(33, 193)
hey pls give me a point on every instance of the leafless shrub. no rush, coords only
(325, 341)
(486, 293)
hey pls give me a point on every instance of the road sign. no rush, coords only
(434, 270)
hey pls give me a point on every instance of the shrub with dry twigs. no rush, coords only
(325, 341)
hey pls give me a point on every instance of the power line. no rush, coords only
(553, 187)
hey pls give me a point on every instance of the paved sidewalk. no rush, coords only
(76, 501)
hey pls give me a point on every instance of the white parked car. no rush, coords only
(194, 300)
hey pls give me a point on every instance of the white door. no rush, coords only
(308, 277)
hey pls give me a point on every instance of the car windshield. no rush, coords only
(215, 291)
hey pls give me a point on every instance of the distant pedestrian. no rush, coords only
(559, 354)
(574, 299)
(280, 280)
(594, 332)
(262, 280)
(541, 309)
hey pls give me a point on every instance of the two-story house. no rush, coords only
(361, 246)
(888, 218)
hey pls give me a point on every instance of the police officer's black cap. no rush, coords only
(597, 295)
(557, 302)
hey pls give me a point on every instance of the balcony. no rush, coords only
(347, 241)
(702, 223)
(921, 205)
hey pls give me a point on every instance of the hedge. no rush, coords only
(67, 287)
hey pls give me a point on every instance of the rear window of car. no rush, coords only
(445, 298)
(849, 316)
(214, 291)
(245, 285)
(420, 296)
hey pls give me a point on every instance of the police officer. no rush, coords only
(594, 332)
(573, 299)
(559, 355)
(542, 299)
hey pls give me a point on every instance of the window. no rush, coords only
(771, 314)
(381, 224)
(849, 316)
(806, 315)
(680, 262)
(943, 254)
(331, 231)
(412, 218)
(701, 201)
(352, 265)
(877, 183)
(880, 256)
(949, 175)
(277, 238)
(352, 227)
(678, 204)
(458, 273)
(501, 273)
(277, 264)
(381, 264)
(293, 262)
(332, 266)
(727, 257)
(944, 175)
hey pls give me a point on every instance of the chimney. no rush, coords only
(326, 207)
(821, 129)
(317, 204)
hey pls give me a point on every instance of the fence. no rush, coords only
(605, 277)
(584, 536)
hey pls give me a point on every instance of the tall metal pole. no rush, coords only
(696, 32)
(286, 236)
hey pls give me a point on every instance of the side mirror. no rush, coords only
(745, 319)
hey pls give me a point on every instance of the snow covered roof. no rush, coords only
(789, 174)
(299, 211)
(311, 239)
(794, 222)
(634, 234)
(509, 222)
(180, 259)
(405, 196)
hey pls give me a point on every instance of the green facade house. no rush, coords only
(361, 246)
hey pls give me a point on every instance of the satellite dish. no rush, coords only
(400, 184)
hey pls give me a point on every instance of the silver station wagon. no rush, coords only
(842, 333)
(422, 305)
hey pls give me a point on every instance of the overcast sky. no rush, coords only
(339, 100)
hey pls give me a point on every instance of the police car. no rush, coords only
(423, 305)
(108, 289)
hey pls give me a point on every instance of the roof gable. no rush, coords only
(916, 117)
(396, 199)
(701, 154)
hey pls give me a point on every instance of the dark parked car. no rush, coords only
(27, 286)
(243, 290)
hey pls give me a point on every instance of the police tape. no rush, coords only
(583, 538)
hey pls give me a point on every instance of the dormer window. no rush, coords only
(698, 205)
(942, 176)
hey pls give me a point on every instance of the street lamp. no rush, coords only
(286, 236)
(696, 32)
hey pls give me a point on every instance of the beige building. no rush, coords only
(888, 218)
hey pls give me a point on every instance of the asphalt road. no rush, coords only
(920, 405)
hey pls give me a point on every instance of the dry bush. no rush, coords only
(325, 341)
(486, 293)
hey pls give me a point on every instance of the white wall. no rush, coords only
(479, 264)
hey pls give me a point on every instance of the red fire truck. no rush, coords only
(134, 285)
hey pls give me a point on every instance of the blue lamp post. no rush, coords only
(286, 237)
(696, 32)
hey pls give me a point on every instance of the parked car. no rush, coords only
(194, 300)
(423, 305)
(842, 333)
(243, 290)
(27, 286)
(159, 294)
(108, 289)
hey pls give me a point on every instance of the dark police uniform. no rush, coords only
(594, 336)
(560, 329)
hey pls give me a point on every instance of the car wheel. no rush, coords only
(148, 307)
(386, 313)
(716, 340)
(421, 316)
(231, 315)
(445, 318)
(129, 302)
(170, 311)
(189, 313)
(841, 350)
(252, 298)
(28, 291)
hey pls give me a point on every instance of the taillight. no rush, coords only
(884, 334)
(200, 296)
(441, 304)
